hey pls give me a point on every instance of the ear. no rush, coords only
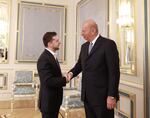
(93, 30)
(49, 44)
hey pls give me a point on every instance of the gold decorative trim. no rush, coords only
(126, 37)
(3, 81)
(5, 7)
(62, 31)
(132, 98)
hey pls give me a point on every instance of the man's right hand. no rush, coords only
(69, 75)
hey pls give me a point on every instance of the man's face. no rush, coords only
(55, 43)
(86, 32)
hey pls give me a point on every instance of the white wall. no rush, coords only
(133, 83)
(130, 83)
(12, 65)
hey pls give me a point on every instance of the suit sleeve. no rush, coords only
(47, 77)
(78, 67)
(112, 60)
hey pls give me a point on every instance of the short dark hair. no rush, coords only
(48, 37)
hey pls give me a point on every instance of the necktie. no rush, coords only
(57, 62)
(55, 56)
(90, 47)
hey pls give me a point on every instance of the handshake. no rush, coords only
(68, 76)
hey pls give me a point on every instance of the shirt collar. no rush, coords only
(53, 53)
(93, 41)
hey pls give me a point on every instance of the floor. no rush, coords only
(19, 113)
(26, 113)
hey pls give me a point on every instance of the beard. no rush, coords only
(56, 48)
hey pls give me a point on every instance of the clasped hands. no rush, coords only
(68, 76)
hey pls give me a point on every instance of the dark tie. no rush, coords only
(90, 47)
(58, 65)
(57, 62)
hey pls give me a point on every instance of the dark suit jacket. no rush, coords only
(51, 82)
(100, 71)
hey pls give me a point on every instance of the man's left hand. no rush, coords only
(111, 102)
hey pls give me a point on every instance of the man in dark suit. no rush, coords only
(51, 79)
(99, 63)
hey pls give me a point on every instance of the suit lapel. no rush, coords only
(53, 60)
(96, 45)
(87, 50)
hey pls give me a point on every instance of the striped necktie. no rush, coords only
(90, 47)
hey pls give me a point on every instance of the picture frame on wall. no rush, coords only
(128, 110)
(91, 9)
(34, 20)
(3, 81)
(5, 8)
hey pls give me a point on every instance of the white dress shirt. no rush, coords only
(53, 53)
